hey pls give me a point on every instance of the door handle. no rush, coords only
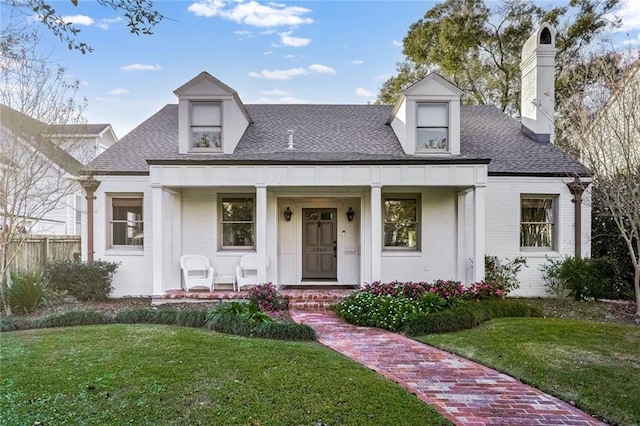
(335, 249)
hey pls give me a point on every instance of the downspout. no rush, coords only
(90, 186)
(577, 189)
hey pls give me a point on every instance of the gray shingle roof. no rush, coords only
(77, 129)
(338, 134)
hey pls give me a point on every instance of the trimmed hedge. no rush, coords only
(467, 315)
(284, 331)
(73, 318)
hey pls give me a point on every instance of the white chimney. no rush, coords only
(537, 95)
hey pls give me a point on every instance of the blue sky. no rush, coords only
(285, 52)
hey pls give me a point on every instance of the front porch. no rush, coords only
(300, 299)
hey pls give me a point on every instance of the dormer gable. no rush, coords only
(426, 118)
(211, 116)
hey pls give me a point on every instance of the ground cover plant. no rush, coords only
(415, 308)
(592, 364)
(26, 292)
(157, 374)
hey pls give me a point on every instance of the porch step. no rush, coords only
(314, 300)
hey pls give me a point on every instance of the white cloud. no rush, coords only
(83, 83)
(289, 56)
(79, 20)
(279, 74)
(292, 72)
(275, 92)
(631, 41)
(357, 62)
(252, 12)
(141, 67)
(397, 43)
(106, 23)
(119, 91)
(287, 40)
(322, 69)
(629, 12)
(243, 33)
(364, 93)
(268, 53)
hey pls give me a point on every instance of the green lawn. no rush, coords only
(154, 374)
(596, 365)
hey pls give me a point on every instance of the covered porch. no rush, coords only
(318, 225)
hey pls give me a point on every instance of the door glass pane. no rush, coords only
(313, 216)
(326, 216)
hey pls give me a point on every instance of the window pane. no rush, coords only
(400, 210)
(237, 234)
(128, 233)
(206, 114)
(237, 209)
(432, 139)
(127, 213)
(537, 210)
(206, 137)
(400, 235)
(536, 235)
(433, 115)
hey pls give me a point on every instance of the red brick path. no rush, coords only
(463, 391)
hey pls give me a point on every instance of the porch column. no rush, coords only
(157, 232)
(577, 188)
(376, 232)
(461, 231)
(261, 231)
(478, 232)
(90, 186)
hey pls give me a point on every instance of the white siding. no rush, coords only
(503, 226)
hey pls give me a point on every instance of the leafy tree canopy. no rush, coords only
(478, 48)
(141, 16)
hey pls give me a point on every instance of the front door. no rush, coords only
(319, 249)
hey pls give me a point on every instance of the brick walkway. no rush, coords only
(464, 392)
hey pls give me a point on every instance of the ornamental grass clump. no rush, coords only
(26, 292)
(73, 318)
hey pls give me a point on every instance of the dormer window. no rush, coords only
(206, 126)
(432, 127)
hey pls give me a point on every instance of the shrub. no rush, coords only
(191, 318)
(449, 290)
(467, 315)
(26, 292)
(385, 311)
(73, 318)
(236, 318)
(503, 272)
(484, 290)
(589, 278)
(136, 316)
(551, 275)
(266, 297)
(14, 324)
(284, 331)
(84, 281)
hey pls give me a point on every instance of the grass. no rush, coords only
(595, 365)
(156, 374)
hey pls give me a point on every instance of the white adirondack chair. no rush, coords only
(197, 271)
(247, 271)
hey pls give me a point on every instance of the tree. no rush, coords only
(479, 48)
(141, 17)
(35, 173)
(606, 127)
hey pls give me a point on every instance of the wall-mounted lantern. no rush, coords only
(287, 214)
(350, 214)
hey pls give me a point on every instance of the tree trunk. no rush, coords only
(636, 284)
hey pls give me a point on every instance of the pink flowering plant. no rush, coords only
(484, 290)
(266, 297)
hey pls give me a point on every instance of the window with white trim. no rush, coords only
(237, 222)
(432, 127)
(206, 126)
(537, 222)
(401, 216)
(126, 225)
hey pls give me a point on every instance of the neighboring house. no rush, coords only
(339, 194)
(48, 158)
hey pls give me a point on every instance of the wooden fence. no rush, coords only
(35, 250)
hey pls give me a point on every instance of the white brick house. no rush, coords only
(338, 194)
